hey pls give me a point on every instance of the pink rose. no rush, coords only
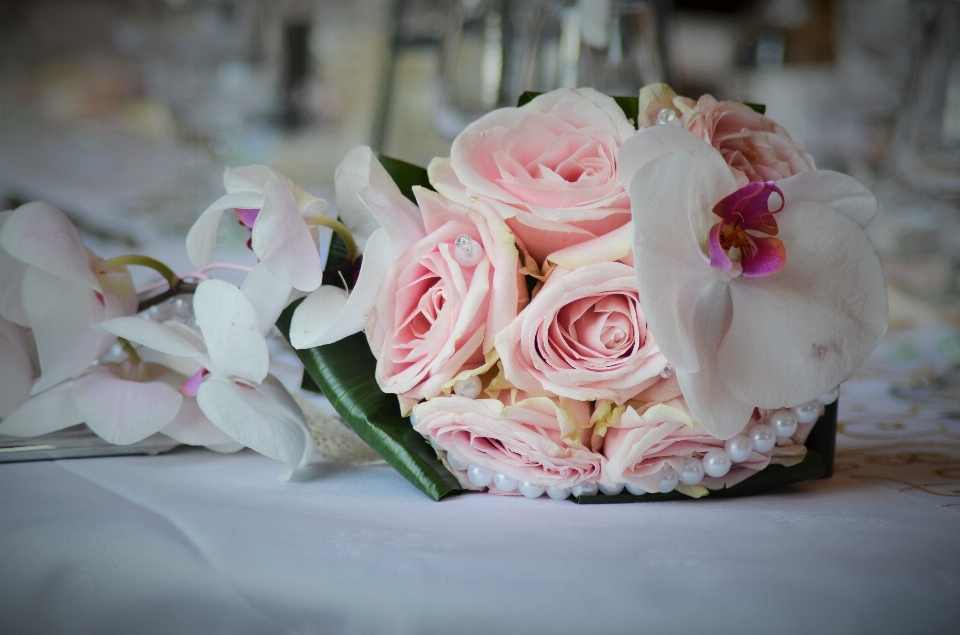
(536, 440)
(435, 318)
(661, 434)
(755, 147)
(548, 167)
(583, 336)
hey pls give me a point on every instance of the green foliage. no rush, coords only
(405, 175)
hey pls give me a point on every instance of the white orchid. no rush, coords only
(16, 371)
(228, 362)
(385, 223)
(51, 283)
(749, 320)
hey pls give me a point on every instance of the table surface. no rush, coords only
(193, 541)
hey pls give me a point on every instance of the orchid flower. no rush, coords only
(51, 283)
(16, 371)
(386, 223)
(228, 361)
(763, 296)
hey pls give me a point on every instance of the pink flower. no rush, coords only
(732, 249)
(583, 336)
(657, 435)
(548, 167)
(444, 300)
(755, 147)
(536, 440)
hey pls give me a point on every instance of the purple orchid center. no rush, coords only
(247, 217)
(192, 385)
(735, 246)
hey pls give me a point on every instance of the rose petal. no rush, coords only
(607, 248)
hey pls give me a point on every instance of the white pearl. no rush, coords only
(182, 309)
(668, 371)
(436, 445)
(467, 251)
(611, 490)
(716, 463)
(414, 419)
(667, 116)
(636, 490)
(784, 423)
(469, 388)
(585, 488)
(692, 471)
(532, 490)
(738, 448)
(828, 398)
(456, 463)
(558, 493)
(479, 475)
(504, 483)
(808, 412)
(763, 437)
(668, 480)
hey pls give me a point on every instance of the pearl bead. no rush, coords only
(585, 488)
(479, 475)
(558, 493)
(692, 471)
(182, 309)
(504, 483)
(636, 490)
(667, 116)
(763, 437)
(668, 371)
(668, 480)
(784, 423)
(414, 419)
(611, 490)
(469, 388)
(716, 463)
(467, 251)
(532, 490)
(828, 398)
(456, 463)
(808, 412)
(738, 448)
(436, 445)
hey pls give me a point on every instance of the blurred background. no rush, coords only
(123, 113)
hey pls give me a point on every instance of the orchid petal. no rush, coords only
(607, 248)
(202, 237)
(11, 275)
(250, 416)
(231, 331)
(43, 237)
(249, 178)
(121, 411)
(652, 143)
(64, 318)
(358, 170)
(192, 427)
(670, 264)
(154, 336)
(16, 372)
(268, 294)
(401, 220)
(832, 189)
(47, 412)
(282, 240)
(819, 317)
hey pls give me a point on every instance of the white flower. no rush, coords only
(381, 219)
(51, 283)
(747, 322)
(16, 371)
(228, 360)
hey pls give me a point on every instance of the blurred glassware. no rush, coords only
(927, 142)
(494, 50)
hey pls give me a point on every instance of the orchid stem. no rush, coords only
(129, 350)
(341, 230)
(145, 261)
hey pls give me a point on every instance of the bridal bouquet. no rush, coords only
(590, 295)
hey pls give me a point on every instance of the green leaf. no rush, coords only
(338, 253)
(405, 175)
(629, 105)
(344, 371)
(760, 108)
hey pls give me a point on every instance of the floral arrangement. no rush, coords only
(590, 295)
